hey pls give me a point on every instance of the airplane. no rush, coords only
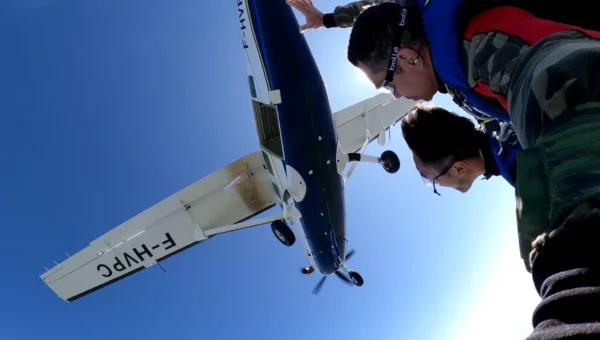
(301, 167)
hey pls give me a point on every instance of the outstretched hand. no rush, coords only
(314, 17)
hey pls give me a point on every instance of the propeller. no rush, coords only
(343, 277)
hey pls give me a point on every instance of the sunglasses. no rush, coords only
(431, 182)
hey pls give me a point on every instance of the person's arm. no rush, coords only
(560, 73)
(566, 273)
(343, 16)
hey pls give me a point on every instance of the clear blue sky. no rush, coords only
(110, 106)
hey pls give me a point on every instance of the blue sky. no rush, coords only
(110, 106)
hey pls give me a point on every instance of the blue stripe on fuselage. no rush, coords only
(307, 129)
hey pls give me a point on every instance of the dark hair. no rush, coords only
(372, 36)
(438, 136)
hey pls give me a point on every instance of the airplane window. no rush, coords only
(252, 87)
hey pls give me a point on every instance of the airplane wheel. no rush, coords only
(356, 279)
(390, 161)
(308, 270)
(284, 234)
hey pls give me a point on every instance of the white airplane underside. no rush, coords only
(284, 174)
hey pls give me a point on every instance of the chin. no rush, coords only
(464, 186)
(464, 190)
(425, 98)
(430, 97)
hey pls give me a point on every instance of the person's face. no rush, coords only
(454, 175)
(416, 82)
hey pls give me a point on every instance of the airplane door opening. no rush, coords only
(267, 128)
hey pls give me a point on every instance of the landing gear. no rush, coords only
(389, 160)
(284, 234)
(308, 270)
(353, 277)
(350, 278)
(356, 279)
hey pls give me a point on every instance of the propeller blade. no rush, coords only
(319, 285)
(350, 254)
(343, 278)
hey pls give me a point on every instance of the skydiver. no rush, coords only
(449, 151)
(542, 76)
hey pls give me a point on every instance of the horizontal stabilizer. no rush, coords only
(367, 119)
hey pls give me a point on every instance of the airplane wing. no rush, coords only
(359, 124)
(215, 204)
(222, 202)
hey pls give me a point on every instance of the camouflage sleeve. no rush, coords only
(558, 74)
(494, 42)
(344, 16)
(490, 58)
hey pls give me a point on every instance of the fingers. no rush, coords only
(302, 3)
(307, 26)
(304, 6)
(294, 3)
(298, 6)
(314, 17)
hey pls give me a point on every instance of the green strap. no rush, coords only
(532, 199)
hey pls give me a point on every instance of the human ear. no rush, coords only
(460, 168)
(408, 56)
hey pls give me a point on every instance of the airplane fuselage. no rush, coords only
(295, 128)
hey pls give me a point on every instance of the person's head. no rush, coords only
(446, 147)
(371, 48)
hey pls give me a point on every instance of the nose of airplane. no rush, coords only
(326, 262)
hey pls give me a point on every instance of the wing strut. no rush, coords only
(161, 267)
(354, 164)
